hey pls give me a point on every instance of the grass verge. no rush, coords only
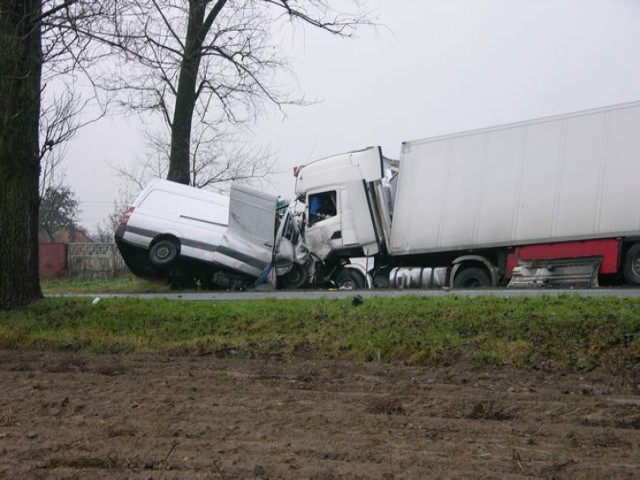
(117, 285)
(577, 333)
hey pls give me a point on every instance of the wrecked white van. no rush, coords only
(181, 235)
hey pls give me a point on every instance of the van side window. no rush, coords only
(322, 206)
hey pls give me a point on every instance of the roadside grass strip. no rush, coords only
(579, 334)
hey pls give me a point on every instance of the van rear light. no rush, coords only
(127, 215)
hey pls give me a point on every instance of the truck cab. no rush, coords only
(340, 221)
(347, 211)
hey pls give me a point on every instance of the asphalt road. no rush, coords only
(340, 294)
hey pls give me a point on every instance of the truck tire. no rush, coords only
(163, 253)
(297, 277)
(631, 266)
(472, 277)
(350, 279)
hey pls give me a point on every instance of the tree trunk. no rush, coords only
(20, 74)
(186, 95)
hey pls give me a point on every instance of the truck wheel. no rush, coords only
(297, 277)
(631, 267)
(349, 279)
(163, 253)
(472, 278)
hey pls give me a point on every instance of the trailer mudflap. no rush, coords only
(561, 272)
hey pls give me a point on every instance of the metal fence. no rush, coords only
(94, 261)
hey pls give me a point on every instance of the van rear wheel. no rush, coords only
(163, 253)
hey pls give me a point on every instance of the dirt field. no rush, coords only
(66, 415)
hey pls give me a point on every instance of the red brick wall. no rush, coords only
(53, 260)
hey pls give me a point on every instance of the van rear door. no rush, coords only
(247, 245)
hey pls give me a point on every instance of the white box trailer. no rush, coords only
(563, 178)
(554, 195)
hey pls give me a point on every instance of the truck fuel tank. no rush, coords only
(417, 277)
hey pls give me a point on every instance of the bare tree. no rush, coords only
(138, 174)
(33, 34)
(216, 159)
(104, 233)
(61, 118)
(20, 71)
(65, 56)
(210, 61)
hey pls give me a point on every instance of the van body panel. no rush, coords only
(247, 245)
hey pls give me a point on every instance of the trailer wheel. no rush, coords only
(163, 252)
(631, 267)
(350, 279)
(472, 277)
(297, 277)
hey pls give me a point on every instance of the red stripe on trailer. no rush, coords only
(606, 248)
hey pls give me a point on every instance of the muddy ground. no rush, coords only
(69, 415)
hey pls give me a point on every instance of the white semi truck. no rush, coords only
(554, 200)
(546, 200)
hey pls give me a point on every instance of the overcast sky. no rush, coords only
(439, 66)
